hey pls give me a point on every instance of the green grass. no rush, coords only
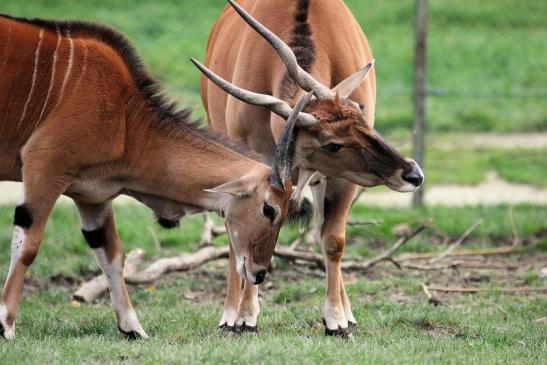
(460, 166)
(471, 330)
(396, 325)
(64, 250)
(495, 47)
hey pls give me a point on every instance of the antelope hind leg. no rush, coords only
(40, 191)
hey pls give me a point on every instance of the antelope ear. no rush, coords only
(351, 83)
(240, 187)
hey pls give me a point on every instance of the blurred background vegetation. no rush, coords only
(486, 59)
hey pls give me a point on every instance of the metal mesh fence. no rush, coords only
(486, 63)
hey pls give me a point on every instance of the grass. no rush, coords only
(395, 322)
(471, 330)
(64, 250)
(493, 48)
(461, 166)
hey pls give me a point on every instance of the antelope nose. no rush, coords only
(260, 276)
(414, 176)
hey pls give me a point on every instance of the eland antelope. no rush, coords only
(80, 116)
(321, 46)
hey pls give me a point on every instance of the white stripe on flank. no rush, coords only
(34, 73)
(84, 67)
(83, 64)
(52, 80)
(69, 65)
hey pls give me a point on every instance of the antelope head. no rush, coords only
(333, 136)
(256, 205)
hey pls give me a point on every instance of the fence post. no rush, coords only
(420, 60)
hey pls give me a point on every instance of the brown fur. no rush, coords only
(80, 116)
(328, 43)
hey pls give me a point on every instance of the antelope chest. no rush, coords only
(93, 191)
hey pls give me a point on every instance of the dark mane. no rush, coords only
(169, 114)
(302, 46)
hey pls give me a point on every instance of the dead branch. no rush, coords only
(387, 255)
(460, 265)
(183, 262)
(430, 298)
(210, 231)
(290, 254)
(373, 222)
(92, 289)
(453, 246)
(476, 290)
(469, 252)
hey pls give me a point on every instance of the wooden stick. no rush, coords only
(210, 231)
(387, 255)
(373, 222)
(183, 262)
(92, 289)
(460, 264)
(453, 246)
(469, 252)
(290, 254)
(476, 290)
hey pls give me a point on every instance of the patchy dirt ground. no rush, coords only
(207, 283)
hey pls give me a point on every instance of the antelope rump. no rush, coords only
(80, 116)
(247, 91)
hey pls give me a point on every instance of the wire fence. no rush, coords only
(486, 64)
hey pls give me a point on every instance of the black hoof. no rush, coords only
(339, 332)
(245, 328)
(130, 335)
(2, 330)
(226, 328)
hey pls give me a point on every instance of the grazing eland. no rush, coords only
(321, 46)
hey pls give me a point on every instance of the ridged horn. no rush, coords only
(284, 151)
(297, 73)
(274, 104)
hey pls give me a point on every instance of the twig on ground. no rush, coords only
(373, 222)
(521, 289)
(210, 231)
(92, 289)
(430, 298)
(469, 252)
(453, 246)
(460, 264)
(387, 255)
(501, 309)
(290, 254)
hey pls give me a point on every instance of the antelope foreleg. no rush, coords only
(248, 310)
(337, 314)
(99, 230)
(233, 295)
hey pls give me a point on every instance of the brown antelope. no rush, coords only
(320, 45)
(80, 116)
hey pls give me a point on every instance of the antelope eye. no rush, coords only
(268, 211)
(332, 147)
